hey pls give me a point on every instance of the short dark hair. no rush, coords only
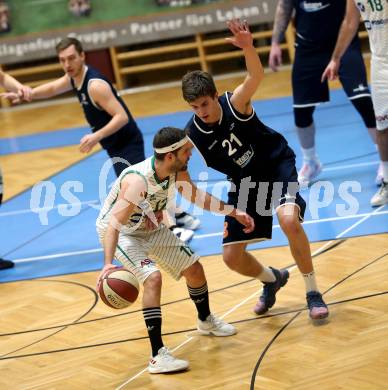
(197, 84)
(67, 42)
(167, 136)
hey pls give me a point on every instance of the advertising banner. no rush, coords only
(99, 29)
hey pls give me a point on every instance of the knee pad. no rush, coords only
(303, 116)
(364, 106)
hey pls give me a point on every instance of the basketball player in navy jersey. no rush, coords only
(317, 25)
(110, 120)
(261, 166)
(22, 92)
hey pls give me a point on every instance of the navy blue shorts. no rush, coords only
(132, 153)
(259, 202)
(309, 64)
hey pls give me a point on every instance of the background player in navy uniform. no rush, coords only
(375, 17)
(317, 25)
(110, 120)
(232, 140)
(22, 92)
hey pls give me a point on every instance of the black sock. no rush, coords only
(200, 297)
(153, 320)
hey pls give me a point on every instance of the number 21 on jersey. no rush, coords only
(230, 143)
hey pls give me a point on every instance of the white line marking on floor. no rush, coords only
(38, 210)
(211, 185)
(202, 236)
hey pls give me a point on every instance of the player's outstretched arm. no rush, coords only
(242, 38)
(348, 30)
(52, 88)
(208, 202)
(44, 91)
(103, 96)
(282, 19)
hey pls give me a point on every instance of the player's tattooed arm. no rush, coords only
(283, 16)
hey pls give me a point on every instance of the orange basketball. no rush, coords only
(119, 288)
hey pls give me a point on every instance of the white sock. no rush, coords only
(309, 154)
(385, 171)
(310, 282)
(266, 275)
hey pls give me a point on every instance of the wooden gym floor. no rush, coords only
(56, 335)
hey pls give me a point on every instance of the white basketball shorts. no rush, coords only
(380, 90)
(140, 251)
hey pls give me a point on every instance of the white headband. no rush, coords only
(172, 147)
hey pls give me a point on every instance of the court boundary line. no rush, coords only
(199, 237)
(94, 201)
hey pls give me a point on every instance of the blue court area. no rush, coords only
(50, 229)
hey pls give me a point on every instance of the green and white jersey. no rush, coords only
(158, 195)
(375, 16)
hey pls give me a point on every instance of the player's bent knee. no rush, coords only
(153, 281)
(289, 224)
(194, 272)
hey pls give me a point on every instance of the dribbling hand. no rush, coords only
(102, 273)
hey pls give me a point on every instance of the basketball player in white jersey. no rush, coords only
(129, 230)
(375, 16)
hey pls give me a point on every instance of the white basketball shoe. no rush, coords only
(187, 221)
(183, 234)
(164, 362)
(215, 326)
(381, 196)
(309, 171)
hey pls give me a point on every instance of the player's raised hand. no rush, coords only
(242, 37)
(245, 220)
(331, 71)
